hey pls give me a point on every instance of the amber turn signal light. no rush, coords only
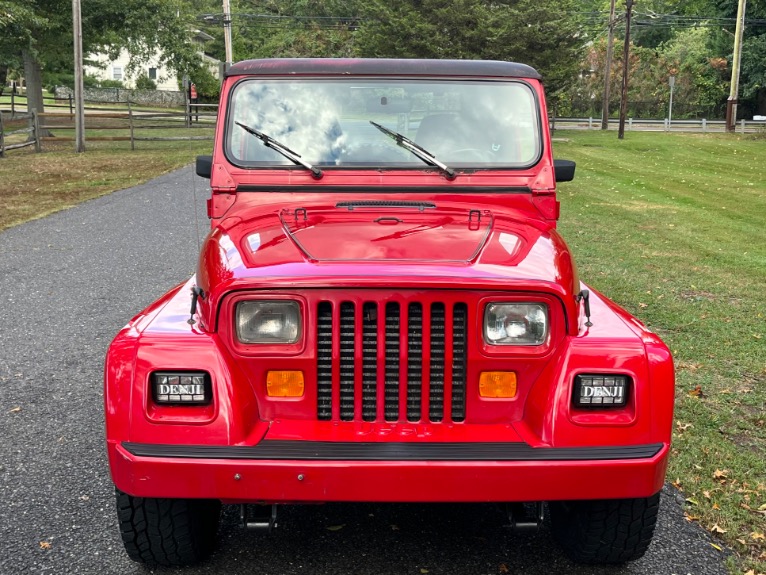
(499, 384)
(284, 383)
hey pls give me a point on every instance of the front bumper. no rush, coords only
(278, 471)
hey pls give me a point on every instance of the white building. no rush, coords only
(166, 79)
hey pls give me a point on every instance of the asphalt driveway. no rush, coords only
(68, 283)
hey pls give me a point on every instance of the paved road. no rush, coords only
(67, 284)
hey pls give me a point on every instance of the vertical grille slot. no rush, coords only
(459, 360)
(436, 396)
(369, 361)
(324, 361)
(347, 361)
(414, 360)
(391, 412)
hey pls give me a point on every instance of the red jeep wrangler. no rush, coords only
(384, 312)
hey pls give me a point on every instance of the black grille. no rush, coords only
(324, 360)
(404, 350)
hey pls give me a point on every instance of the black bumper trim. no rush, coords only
(337, 451)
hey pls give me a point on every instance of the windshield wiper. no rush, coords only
(270, 142)
(417, 150)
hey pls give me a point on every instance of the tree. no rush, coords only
(38, 33)
(542, 33)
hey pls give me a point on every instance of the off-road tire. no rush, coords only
(605, 531)
(167, 532)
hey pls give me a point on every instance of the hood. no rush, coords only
(382, 243)
(388, 231)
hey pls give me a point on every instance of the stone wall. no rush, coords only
(161, 98)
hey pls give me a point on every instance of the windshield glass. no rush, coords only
(463, 123)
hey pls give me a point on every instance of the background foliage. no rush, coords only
(565, 40)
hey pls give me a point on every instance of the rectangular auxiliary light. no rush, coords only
(602, 390)
(181, 387)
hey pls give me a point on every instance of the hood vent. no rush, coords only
(385, 204)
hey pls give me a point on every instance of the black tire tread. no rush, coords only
(609, 531)
(167, 532)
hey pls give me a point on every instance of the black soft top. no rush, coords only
(382, 67)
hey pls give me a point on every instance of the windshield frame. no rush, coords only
(229, 125)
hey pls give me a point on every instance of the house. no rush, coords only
(105, 68)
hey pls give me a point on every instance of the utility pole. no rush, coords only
(227, 32)
(625, 67)
(672, 83)
(608, 70)
(731, 103)
(79, 110)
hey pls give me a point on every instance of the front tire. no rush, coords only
(606, 531)
(167, 532)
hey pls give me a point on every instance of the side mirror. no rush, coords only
(563, 169)
(204, 166)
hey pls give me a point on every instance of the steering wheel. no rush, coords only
(476, 153)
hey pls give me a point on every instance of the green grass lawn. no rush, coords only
(673, 227)
(35, 185)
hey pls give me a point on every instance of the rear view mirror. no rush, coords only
(564, 170)
(204, 167)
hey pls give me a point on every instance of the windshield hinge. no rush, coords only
(197, 293)
(584, 296)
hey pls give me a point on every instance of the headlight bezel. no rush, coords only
(537, 344)
(228, 327)
(286, 306)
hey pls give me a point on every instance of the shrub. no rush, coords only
(143, 82)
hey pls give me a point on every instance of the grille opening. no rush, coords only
(459, 360)
(391, 389)
(414, 360)
(436, 396)
(369, 361)
(324, 360)
(347, 336)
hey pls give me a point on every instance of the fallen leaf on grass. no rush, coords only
(717, 529)
(762, 507)
(742, 541)
(691, 518)
(677, 484)
(697, 392)
(755, 536)
(681, 427)
(716, 507)
(643, 305)
(706, 494)
(15, 410)
(692, 501)
(721, 475)
(45, 545)
(336, 527)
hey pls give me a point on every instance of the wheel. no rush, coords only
(605, 531)
(167, 532)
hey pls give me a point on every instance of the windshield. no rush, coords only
(463, 123)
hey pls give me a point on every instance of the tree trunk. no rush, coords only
(761, 102)
(33, 80)
(3, 77)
